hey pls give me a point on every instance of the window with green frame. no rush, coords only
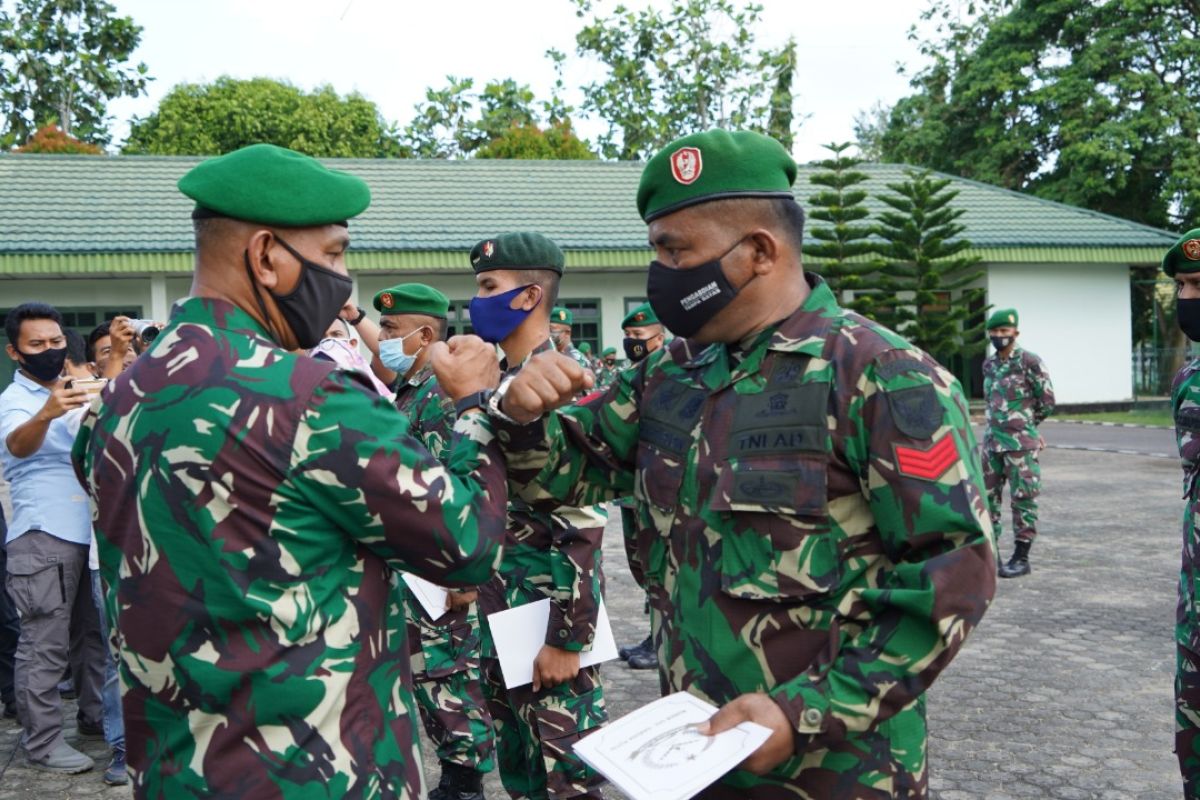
(458, 320)
(81, 318)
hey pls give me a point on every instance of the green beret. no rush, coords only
(517, 251)
(1003, 318)
(561, 316)
(713, 165)
(585, 348)
(274, 186)
(1184, 255)
(412, 298)
(608, 351)
(640, 317)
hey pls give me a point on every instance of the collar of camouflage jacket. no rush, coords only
(223, 315)
(803, 332)
(541, 348)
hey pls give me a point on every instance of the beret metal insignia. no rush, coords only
(686, 165)
(386, 300)
(488, 249)
(1191, 249)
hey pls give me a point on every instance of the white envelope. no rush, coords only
(655, 752)
(520, 632)
(431, 596)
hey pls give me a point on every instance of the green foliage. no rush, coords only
(689, 68)
(844, 243)
(502, 121)
(215, 118)
(928, 277)
(52, 139)
(1095, 103)
(63, 60)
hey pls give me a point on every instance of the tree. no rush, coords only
(52, 139)
(690, 68)
(61, 61)
(846, 247)
(215, 118)
(499, 122)
(928, 275)
(1095, 103)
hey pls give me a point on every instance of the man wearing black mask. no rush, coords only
(1182, 263)
(47, 540)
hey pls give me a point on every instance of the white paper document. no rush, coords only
(520, 632)
(431, 596)
(655, 753)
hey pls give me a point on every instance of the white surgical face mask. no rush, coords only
(391, 353)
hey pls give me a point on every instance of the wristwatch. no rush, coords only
(493, 404)
(362, 313)
(474, 400)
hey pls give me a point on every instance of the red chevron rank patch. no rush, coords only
(928, 465)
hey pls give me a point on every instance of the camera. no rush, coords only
(145, 330)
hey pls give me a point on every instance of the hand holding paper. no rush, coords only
(761, 709)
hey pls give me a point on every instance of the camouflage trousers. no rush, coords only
(535, 733)
(446, 683)
(888, 763)
(1020, 468)
(1187, 719)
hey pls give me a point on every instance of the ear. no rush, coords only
(12, 351)
(354, 343)
(259, 249)
(427, 336)
(765, 251)
(530, 298)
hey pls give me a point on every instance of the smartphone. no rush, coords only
(91, 385)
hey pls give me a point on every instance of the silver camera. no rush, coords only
(145, 330)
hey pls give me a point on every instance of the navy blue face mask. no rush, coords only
(494, 319)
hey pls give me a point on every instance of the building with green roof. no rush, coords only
(97, 236)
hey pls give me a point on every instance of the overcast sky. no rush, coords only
(391, 50)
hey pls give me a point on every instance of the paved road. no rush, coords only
(1063, 692)
(1074, 436)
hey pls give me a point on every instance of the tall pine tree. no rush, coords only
(928, 278)
(849, 256)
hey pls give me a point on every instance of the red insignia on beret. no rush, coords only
(488, 248)
(638, 317)
(386, 300)
(686, 164)
(1191, 249)
(928, 465)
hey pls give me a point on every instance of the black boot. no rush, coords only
(644, 657)
(458, 783)
(1018, 565)
(625, 651)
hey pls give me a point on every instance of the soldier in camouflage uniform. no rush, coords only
(1182, 262)
(550, 553)
(561, 320)
(607, 368)
(810, 510)
(444, 651)
(251, 504)
(1019, 396)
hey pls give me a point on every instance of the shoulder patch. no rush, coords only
(928, 464)
(916, 410)
(890, 369)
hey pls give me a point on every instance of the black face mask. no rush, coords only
(1188, 314)
(685, 299)
(636, 349)
(310, 308)
(46, 365)
(1001, 342)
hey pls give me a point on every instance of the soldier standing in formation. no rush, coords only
(1182, 263)
(252, 504)
(607, 368)
(811, 519)
(1019, 397)
(561, 320)
(445, 652)
(551, 552)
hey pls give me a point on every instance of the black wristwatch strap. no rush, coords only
(362, 314)
(475, 400)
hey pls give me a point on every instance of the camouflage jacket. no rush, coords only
(430, 411)
(577, 354)
(809, 507)
(606, 375)
(551, 552)
(1019, 396)
(1185, 402)
(250, 505)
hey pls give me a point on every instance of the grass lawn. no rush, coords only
(1146, 417)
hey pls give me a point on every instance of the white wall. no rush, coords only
(1077, 318)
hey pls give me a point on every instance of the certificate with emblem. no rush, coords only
(656, 753)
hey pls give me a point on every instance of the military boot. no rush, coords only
(1018, 565)
(626, 650)
(458, 783)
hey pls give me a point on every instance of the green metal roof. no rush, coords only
(97, 215)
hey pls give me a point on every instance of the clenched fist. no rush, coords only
(465, 365)
(548, 381)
